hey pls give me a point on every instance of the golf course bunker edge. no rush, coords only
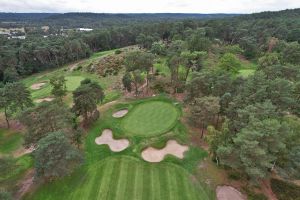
(115, 145)
(172, 147)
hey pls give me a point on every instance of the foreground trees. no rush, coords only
(55, 157)
(46, 117)
(14, 97)
(86, 97)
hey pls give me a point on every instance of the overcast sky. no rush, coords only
(147, 6)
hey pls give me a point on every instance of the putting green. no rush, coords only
(150, 118)
(124, 177)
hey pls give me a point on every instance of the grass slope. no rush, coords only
(9, 141)
(124, 177)
(150, 118)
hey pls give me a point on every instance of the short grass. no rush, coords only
(124, 177)
(9, 141)
(150, 118)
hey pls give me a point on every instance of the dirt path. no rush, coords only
(25, 184)
(22, 151)
(151, 154)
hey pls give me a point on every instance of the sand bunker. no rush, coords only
(151, 154)
(120, 113)
(228, 193)
(37, 86)
(114, 145)
(44, 99)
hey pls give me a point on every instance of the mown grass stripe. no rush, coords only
(156, 186)
(138, 182)
(120, 189)
(104, 187)
(114, 180)
(170, 182)
(146, 182)
(97, 180)
(164, 194)
(130, 181)
(182, 184)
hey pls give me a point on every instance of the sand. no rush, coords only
(37, 86)
(44, 99)
(115, 145)
(120, 113)
(228, 193)
(151, 154)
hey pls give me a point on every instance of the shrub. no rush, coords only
(285, 190)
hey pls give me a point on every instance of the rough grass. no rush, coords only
(9, 141)
(124, 177)
(73, 78)
(150, 118)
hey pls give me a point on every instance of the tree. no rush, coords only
(198, 42)
(192, 60)
(86, 97)
(138, 60)
(137, 79)
(230, 63)
(59, 88)
(270, 59)
(46, 117)
(255, 148)
(127, 80)
(204, 110)
(55, 157)
(10, 75)
(14, 97)
(291, 53)
(174, 63)
(158, 48)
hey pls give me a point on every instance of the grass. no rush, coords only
(9, 141)
(150, 118)
(73, 79)
(246, 72)
(123, 177)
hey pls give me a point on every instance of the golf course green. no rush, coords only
(150, 118)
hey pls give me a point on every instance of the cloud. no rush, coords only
(150, 6)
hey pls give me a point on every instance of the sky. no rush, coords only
(147, 6)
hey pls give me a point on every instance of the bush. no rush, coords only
(285, 190)
(234, 176)
(118, 51)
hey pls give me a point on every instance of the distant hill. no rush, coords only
(93, 16)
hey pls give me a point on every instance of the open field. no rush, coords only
(150, 118)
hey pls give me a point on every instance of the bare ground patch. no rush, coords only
(120, 113)
(115, 145)
(44, 99)
(151, 154)
(228, 193)
(37, 86)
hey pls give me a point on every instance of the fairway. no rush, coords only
(150, 118)
(124, 177)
